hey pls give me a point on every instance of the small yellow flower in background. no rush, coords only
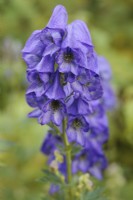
(54, 165)
(58, 157)
(84, 184)
(84, 181)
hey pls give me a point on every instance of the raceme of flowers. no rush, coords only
(69, 83)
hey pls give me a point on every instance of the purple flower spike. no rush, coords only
(69, 87)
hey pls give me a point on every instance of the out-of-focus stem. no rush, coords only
(68, 157)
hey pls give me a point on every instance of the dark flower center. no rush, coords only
(38, 79)
(87, 84)
(62, 79)
(68, 56)
(77, 123)
(83, 157)
(55, 105)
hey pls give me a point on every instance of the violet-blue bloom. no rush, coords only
(39, 83)
(55, 91)
(50, 143)
(89, 160)
(84, 42)
(46, 42)
(54, 189)
(78, 106)
(104, 69)
(68, 81)
(70, 60)
(109, 98)
(53, 111)
(76, 129)
(47, 111)
(88, 85)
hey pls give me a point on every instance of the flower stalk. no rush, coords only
(68, 157)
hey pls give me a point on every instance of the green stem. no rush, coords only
(68, 157)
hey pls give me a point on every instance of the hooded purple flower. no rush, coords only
(42, 44)
(84, 42)
(76, 129)
(88, 85)
(73, 54)
(39, 83)
(70, 60)
(54, 189)
(90, 160)
(77, 106)
(109, 98)
(51, 143)
(104, 69)
(46, 110)
(55, 90)
(53, 111)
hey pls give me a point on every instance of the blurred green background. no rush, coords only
(111, 27)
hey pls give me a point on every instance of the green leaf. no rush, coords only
(50, 177)
(76, 149)
(94, 195)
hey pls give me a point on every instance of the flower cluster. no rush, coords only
(69, 88)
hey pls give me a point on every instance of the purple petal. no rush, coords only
(31, 99)
(83, 165)
(31, 59)
(57, 117)
(75, 166)
(53, 189)
(69, 40)
(50, 50)
(58, 19)
(77, 87)
(44, 77)
(81, 32)
(64, 67)
(56, 90)
(104, 68)
(96, 172)
(80, 138)
(71, 133)
(35, 113)
(83, 107)
(46, 118)
(46, 64)
(33, 44)
(37, 89)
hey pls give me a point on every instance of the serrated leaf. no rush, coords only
(76, 149)
(94, 195)
(50, 177)
(61, 148)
